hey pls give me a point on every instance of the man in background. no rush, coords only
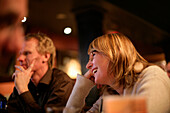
(37, 84)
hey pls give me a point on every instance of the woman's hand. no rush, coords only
(89, 74)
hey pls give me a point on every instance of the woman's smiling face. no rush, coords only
(98, 64)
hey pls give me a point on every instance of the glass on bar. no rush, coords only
(124, 104)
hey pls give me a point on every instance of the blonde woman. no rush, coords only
(114, 61)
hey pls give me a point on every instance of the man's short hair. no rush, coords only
(45, 45)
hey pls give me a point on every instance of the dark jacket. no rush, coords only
(53, 90)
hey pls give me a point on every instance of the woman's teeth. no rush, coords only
(94, 71)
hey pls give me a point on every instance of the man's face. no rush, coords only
(168, 69)
(28, 53)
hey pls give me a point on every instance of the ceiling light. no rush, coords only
(67, 30)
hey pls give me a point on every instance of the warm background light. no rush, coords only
(72, 67)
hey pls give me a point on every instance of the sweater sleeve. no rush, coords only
(96, 106)
(80, 91)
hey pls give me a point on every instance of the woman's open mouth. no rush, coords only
(94, 71)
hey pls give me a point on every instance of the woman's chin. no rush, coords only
(100, 82)
(97, 81)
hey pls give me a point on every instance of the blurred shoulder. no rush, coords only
(155, 72)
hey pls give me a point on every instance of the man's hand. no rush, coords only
(22, 77)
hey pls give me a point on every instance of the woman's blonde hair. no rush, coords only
(123, 57)
(45, 45)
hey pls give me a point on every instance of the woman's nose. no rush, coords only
(89, 65)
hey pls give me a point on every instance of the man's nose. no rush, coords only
(21, 58)
(89, 65)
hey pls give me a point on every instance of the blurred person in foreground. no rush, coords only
(11, 30)
(11, 34)
(37, 84)
(114, 61)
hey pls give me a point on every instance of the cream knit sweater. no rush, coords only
(153, 83)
